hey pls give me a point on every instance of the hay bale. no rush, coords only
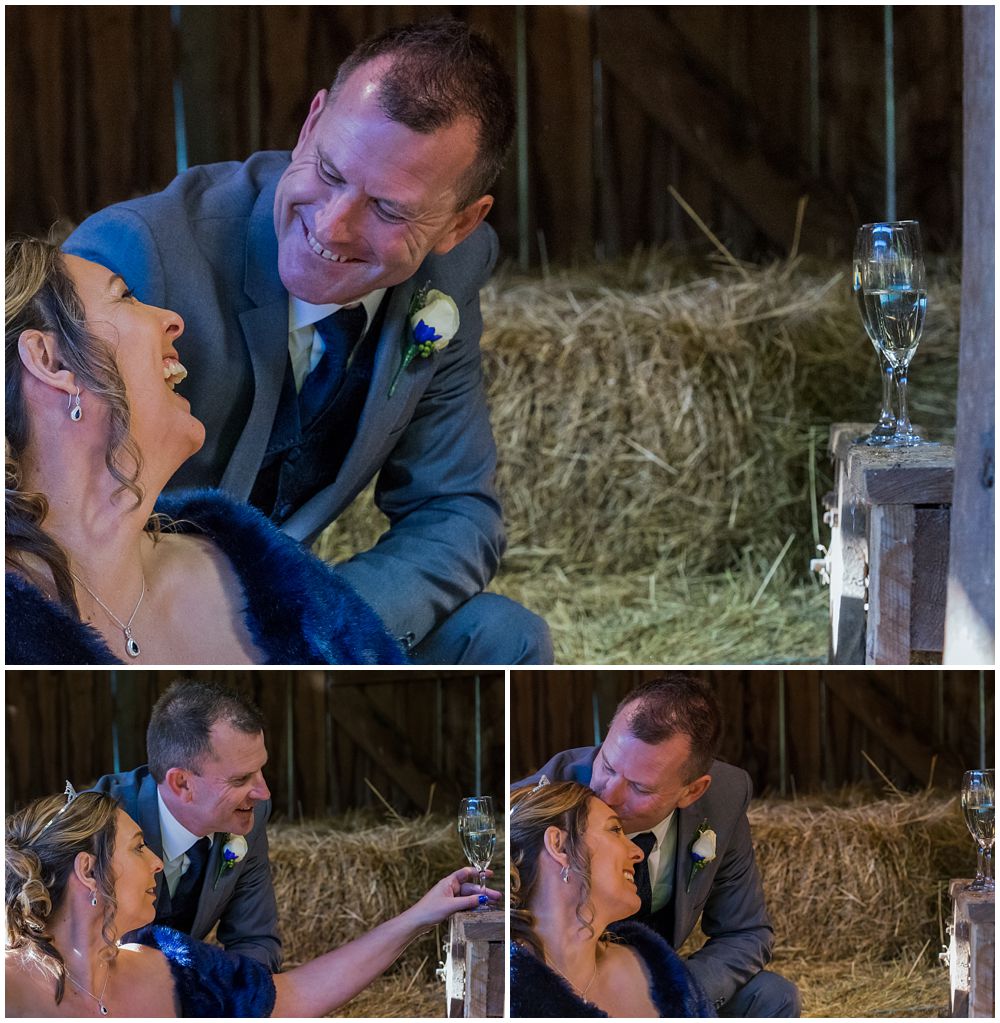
(338, 878)
(663, 424)
(854, 878)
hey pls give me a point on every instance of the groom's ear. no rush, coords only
(178, 782)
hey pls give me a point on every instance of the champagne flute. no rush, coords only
(886, 425)
(894, 293)
(977, 805)
(478, 831)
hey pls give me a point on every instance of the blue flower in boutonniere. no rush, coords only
(232, 852)
(702, 851)
(431, 323)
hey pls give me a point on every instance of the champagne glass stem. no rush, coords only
(979, 864)
(482, 880)
(886, 419)
(903, 419)
(988, 866)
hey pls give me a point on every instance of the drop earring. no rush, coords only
(564, 874)
(76, 412)
(93, 899)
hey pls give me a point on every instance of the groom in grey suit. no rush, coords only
(204, 786)
(656, 770)
(298, 274)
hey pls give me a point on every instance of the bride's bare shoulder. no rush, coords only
(25, 980)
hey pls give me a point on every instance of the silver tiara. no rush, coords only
(542, 782)
(70, 793)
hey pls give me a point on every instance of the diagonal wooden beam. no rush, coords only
(645, 57)
(880, 716)
(359, 716)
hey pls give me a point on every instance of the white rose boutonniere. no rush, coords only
(233, 851)
(432, 322)
(702, 851)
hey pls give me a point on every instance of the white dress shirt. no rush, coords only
(661, 860)
(305, 346)
(176, 842)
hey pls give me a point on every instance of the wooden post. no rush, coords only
(476, 965)
(970, 623)
(971, 952)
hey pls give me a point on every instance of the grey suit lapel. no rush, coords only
(687, 824)
(213, 893)
(265, 329)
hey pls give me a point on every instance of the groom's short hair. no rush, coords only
(180, 727)
(676, 704)
(435, 72)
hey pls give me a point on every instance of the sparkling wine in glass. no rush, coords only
(478, 831)
(977, 805)
(886, 425)
(894, 295)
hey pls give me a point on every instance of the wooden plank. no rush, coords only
(890, 582)
(971, 612)
(643, 55)
(910, 476)
(847, 555)
(930, 578)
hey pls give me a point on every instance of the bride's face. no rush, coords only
(612, 864)
(134, 866)
(143, 339)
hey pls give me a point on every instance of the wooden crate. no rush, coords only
(475, 965)
(887, 563)
(971, 952)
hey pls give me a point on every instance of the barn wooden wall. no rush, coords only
(328, 732)
(830, 718)
(621, 102)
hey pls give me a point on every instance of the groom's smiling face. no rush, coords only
(365, 198)
(230, 783)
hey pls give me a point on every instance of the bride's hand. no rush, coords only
(455, 892)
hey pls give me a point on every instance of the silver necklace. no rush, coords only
(590, 983)
(99, 1000)
(131, 646)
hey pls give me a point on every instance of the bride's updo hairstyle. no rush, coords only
(42, 843)
(534, 809)
(40, 295)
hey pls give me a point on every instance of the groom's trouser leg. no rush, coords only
(487, 629)
(764, 994)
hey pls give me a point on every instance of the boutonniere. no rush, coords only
(232, 852)
(431, 323)
(702, 851)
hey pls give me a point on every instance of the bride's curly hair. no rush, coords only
(40, 295)
(533, 809)
(42, 843)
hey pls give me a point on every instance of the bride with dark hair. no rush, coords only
(572, 881)
(94, 430)
(79, 874)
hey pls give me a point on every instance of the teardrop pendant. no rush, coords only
(131, 647)
(103, 1008)
(77, 414)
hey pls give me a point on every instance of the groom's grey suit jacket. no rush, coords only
(240, 898)
(727, 893)
(206, 248)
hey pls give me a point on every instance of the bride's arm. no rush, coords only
(326, 983)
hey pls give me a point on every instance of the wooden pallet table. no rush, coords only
(887, 562)
(971, 952)
(475, 965)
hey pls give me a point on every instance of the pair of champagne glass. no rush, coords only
(977, 806)
(890, 285)
(477, 828)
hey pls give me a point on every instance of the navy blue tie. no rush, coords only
(340, 332)
(645, 842)
(184, 901)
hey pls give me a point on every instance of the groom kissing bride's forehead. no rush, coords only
(203, 784)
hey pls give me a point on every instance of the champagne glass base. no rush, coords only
(909, 440)
(981, 884)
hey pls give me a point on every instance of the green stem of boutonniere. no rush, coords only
(407, 359)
